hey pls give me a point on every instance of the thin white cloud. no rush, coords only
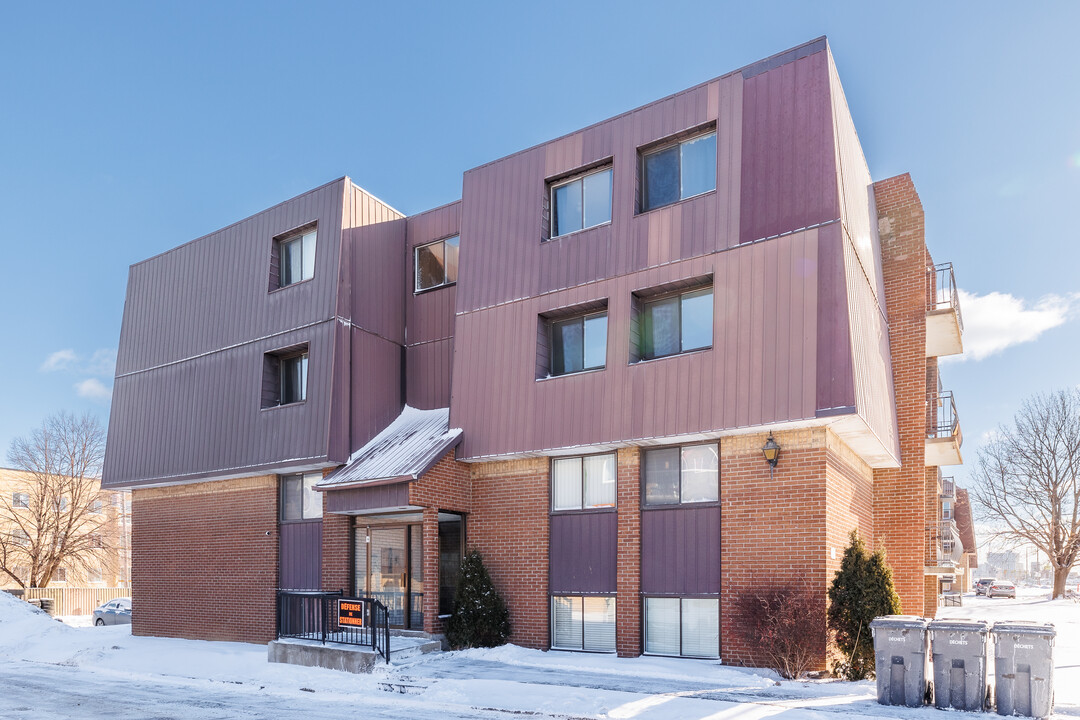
(101, 364)
(996, 321)
(60, 360)
(93, 389)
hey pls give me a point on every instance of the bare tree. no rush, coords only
(1027, 480)
(59, 519)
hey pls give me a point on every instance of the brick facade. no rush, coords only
(205, 560)
(628, 612)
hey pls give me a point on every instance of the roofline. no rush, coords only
(755, 68)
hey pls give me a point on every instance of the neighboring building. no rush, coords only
(106, 524)
(573, 369)
(960, 512)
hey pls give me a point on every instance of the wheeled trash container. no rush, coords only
(958, 648)
(1024, 668)
(900, 659)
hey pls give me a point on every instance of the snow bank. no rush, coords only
(24, 627)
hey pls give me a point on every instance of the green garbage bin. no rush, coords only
(1024, 668)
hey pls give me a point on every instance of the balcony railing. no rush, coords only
(942, 419)
(944, 547)
(948, 488)
(942, 291)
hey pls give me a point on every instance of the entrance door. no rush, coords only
(389, 568)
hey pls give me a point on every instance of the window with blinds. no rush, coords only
(583, 623)
(689, 627)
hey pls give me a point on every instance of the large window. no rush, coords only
(296, 258)
(285, 377)
(581, 202)
(583, 623)
(299, 498)
(437, 264)
(581, 483)
(677, 171)
(688, 474)
(578, 344)
(682, 626)
(676, 324)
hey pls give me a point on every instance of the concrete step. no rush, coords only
(348, 658)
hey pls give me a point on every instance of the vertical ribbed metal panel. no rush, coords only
(835, 379)
(761, 368)
(300, 556)
(788, 164)
(376, 386)
(393, 495)
(582, 552)
(680, 550)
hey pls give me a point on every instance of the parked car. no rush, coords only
(114, 612)
(1001, 588)
(982, 585)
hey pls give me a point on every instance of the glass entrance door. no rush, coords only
(389, 568)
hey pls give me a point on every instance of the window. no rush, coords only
(578, 344)
(581, 483)
(296, 258)
(677, 171)
(583, 623)
(19, 537)
(676, 324)
(581, 202)
(20, 500)
(437, 264)
(689, 627)
(682, 475)
(299, 498)
(96, 541)
(451, 543)
(96, 507)
(946, 510)
(94, 575)
(60, 575)
(285, 377)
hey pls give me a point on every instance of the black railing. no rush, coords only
(942, 420)
(943, 292)
(316, 615)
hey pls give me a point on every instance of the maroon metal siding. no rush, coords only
(429, 315)
(392, 495)
(835, 381)
(788, 155)
(377, 396)
(761, 368)
(300, 556)
(680, 550)
(583, 552)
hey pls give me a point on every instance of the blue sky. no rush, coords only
(128, 129)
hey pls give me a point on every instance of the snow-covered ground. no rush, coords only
(49, 669)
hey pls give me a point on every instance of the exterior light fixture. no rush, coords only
(771, 451)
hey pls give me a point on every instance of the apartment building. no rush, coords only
(644, 368)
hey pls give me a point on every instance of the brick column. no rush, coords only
(628, 566)
(432, 624)
(900, 521)
(336, 553)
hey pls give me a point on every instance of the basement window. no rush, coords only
(583, 623)
(685, 627)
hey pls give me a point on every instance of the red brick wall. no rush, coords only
(900, 520)
(336, 549)
(447, 486)
(628, 614)
(204, 560)
(509, 526)
(773, 528)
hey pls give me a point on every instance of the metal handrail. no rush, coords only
(948, 487)
(942, 420)
(313, 615)
(943, 293)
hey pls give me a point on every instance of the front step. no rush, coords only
(348, 658)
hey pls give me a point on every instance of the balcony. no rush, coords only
(944, 549)
(948, 488)
(944, 323)
(943, 436)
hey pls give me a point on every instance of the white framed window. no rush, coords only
(299, 498)
(678, 170)
(688, 474)
(437, 263)
(581, 202)
(583, 483)
(583, 622)
(686, 627)
(296, 258)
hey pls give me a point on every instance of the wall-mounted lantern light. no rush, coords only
(771, 451)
